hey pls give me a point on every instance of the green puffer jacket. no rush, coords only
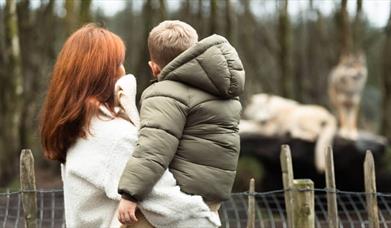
(189, 124)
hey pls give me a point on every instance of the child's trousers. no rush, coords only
(141, 223)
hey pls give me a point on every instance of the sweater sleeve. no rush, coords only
(103, 170)
(162, 122)
(121, 151)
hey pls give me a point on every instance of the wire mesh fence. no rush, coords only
(50, 209)
(269, 211)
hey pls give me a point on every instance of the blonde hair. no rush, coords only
(168, 39)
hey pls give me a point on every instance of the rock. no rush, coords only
(348, 160)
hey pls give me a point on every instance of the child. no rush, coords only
(189, 118)
(165, 205)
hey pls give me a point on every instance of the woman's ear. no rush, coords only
(154, 68)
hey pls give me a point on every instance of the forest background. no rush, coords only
(284, 53)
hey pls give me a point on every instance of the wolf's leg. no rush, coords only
(343, 121)
(348, 129)
(353, 114)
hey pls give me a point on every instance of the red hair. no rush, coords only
(83, 78)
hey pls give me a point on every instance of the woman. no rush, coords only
(84, 130)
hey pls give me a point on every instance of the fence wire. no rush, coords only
(50, 209)
(269, 211)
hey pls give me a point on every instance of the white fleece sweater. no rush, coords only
(92, 172)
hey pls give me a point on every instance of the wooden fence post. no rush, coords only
(303, 203)
(251, 205)
(332, 207)
(287, 177)
(370, 190)
(28, 188)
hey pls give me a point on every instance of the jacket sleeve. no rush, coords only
(162, 122)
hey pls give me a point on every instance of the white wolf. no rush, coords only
(271, 115)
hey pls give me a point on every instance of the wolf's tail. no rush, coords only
(325, 139)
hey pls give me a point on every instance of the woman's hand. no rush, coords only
(127, 211)
(127, 84)
(125, 92)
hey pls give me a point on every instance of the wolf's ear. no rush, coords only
(361, 58)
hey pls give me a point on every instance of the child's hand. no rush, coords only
(127, 211)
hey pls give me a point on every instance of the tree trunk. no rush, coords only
(200, 18)
(40, 53)
(344, 29)
(311, 5)
(70, 17)
(213, 17)
(2, 62)
(358, 31)
(162, 10)
(284, 37)
(85, 12)
(247, 47)
(26, 31)
(231, 22)
(386, 82)
(48, 19)
(129, 38)
(300, 58)
(185, 14)
(315, 42)
(13, 99)
(143, 70)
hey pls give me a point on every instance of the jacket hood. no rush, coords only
(212, 65)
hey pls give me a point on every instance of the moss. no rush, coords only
(14, 184)
(248, 167)
(387, 160)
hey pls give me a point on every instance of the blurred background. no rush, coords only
(288, 48)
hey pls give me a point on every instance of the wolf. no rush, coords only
(271, 115)
(346, 84)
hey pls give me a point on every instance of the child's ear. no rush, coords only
(154, 68)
